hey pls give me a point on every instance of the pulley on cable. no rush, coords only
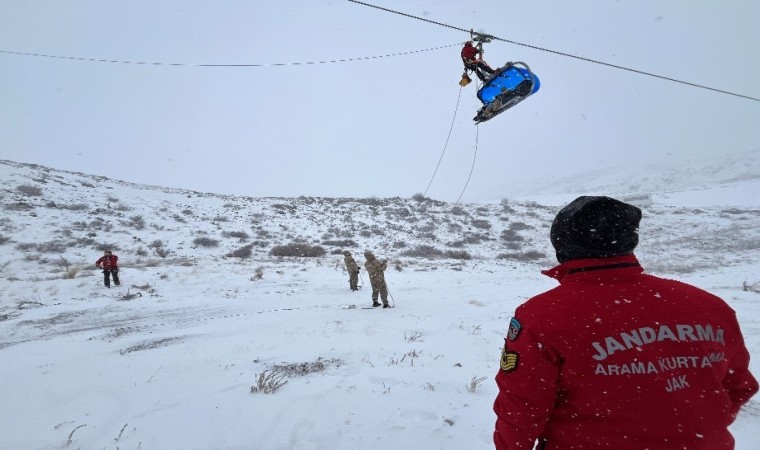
(502, 88)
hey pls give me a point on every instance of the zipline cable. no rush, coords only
(581, 58)
(472, 169)
(467, 183)
(302, 63)
(445, 145)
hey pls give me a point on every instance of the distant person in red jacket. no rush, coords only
(109, 263)
(472, 57)
(614, 358)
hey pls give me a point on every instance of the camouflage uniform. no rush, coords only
(353, 270)
(375, 270)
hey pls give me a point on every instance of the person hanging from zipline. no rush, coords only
(472, 57)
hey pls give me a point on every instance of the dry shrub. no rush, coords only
(243, 252)
(205, 242)
(458, 211)
(30, 191)
(295, 249)
(340, 243)
(423, 251)
(530, 255)
(511, 236)
(481, 223)
(517, 226)
(242, 235)
(302, 369)
(428, 252)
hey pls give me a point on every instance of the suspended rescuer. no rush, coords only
(376, 273)
(353, 270)
(614, 358)
(109, 263)
(472, 57)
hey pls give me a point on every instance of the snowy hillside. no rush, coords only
(173, 357)
(733, 179)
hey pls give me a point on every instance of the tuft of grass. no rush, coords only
(474, 383)
(71, 435)
(415, 336)
(268, 382)
(71, 273)
(127, 296)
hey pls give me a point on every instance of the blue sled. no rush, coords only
(508, 86)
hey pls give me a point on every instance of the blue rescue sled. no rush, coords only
(508, 86)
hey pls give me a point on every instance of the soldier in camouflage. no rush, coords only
(376, 272)
(353, 270)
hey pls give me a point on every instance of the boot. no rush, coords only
(386, 306)
(375, 303)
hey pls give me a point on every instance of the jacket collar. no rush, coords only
(575, 266)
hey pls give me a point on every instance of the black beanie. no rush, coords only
(595, 227)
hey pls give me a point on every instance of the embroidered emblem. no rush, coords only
(509, 360)
(514, 329)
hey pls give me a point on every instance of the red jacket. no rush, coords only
(109, 262)
(617, 359)
(470, 54)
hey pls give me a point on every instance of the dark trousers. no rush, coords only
(107, 273)
(479, 67)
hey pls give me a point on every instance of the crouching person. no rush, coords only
(109, 263)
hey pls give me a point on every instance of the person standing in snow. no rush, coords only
(614, 358)
(109, 263)
(376, 273)
(353, 270)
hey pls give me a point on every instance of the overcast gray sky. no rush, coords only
(369, 127)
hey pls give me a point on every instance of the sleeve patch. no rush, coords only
(514, 329)
(509, 360)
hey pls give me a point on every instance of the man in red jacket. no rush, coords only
(472, 57)
(109, 263)
(614, 358)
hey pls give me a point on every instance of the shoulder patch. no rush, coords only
(509, 360)
(514, 329)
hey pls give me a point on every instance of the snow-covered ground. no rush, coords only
(171, 358)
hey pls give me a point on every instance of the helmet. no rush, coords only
(468, 44)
